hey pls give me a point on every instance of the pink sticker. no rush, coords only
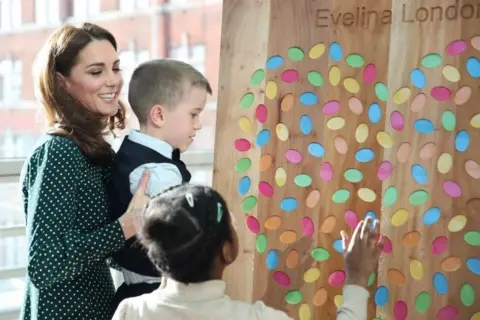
(281, 278)
(265, 188)
(452, 189)
(441, 93)
(396, 119)
(308, 226)
(336, 278)
(447, 313)
(331, 107)
(351, 219)
(326, 171)
(387, 247)
(261, 113)
(293, 156)
(456, 47)
(289, 76)
(400, 310)
(242, 145)
(369, 74)
(439, 245)
(252, 224)
(384, 170)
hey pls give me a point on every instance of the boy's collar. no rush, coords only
(155, 144)
(207, 290)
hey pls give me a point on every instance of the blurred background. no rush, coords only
(188, 30)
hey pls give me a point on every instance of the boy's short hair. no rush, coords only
(162, 82)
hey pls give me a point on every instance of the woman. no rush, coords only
(64, 181)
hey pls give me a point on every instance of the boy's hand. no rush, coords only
(361, 252)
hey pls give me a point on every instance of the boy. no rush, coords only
(167, 97)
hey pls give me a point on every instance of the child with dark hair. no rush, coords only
(190, 238)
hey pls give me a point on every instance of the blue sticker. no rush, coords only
(473, 264)
(263, 137)
(338, 245)
(308, 98)
(473, 67)
(372, 215)
(419, 174)
(316, 150)
(374, 113)
(288, 204)
(418, 78)
(244, 185)
(305, 124)
(462, 141)
(336, 52)
(431, 216)
(272, 259)
(274, 62)
(364, 155)
(424, 126)
(440, 283)
(381, 296)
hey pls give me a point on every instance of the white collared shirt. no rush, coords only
(208, 301)
(162, 176)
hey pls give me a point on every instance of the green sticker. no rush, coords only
(390, 196)
(257, 77)
(249, 203)
(472, 238)
(261, 243)
(372, 278)
(219, 212)
(431, 60)
(303, 180)
(247, 100)
(355, 60)
(243, 165)
(293, 297)
(315, 78)
(341, 196)
(320, 254)
(467, 295)
(423, 302)
(448, 120)
(418, 197)
(353, 175)
(295, 54)
(381, 91)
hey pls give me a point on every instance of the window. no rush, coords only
(10, 81)
(192, 54)
(129, 60)
(83, 9)
(131, 5)
(47, 12)
(10, 14)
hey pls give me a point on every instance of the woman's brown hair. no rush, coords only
(65, 115)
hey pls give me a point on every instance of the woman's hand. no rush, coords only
(138, 203)
(361, 252)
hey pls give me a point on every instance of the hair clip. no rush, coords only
(189, 197)
(219, 212)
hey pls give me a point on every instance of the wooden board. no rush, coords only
(308, 91)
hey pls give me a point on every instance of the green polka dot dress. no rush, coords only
(70, 235)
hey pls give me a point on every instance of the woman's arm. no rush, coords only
(56, 251)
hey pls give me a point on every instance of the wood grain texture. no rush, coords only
(391, 35)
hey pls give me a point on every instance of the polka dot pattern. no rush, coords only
(70, 235)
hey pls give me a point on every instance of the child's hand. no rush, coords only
(361, 252)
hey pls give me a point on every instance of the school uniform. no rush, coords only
(208, 301)
(138, 152)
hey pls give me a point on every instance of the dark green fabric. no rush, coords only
(70, 235)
